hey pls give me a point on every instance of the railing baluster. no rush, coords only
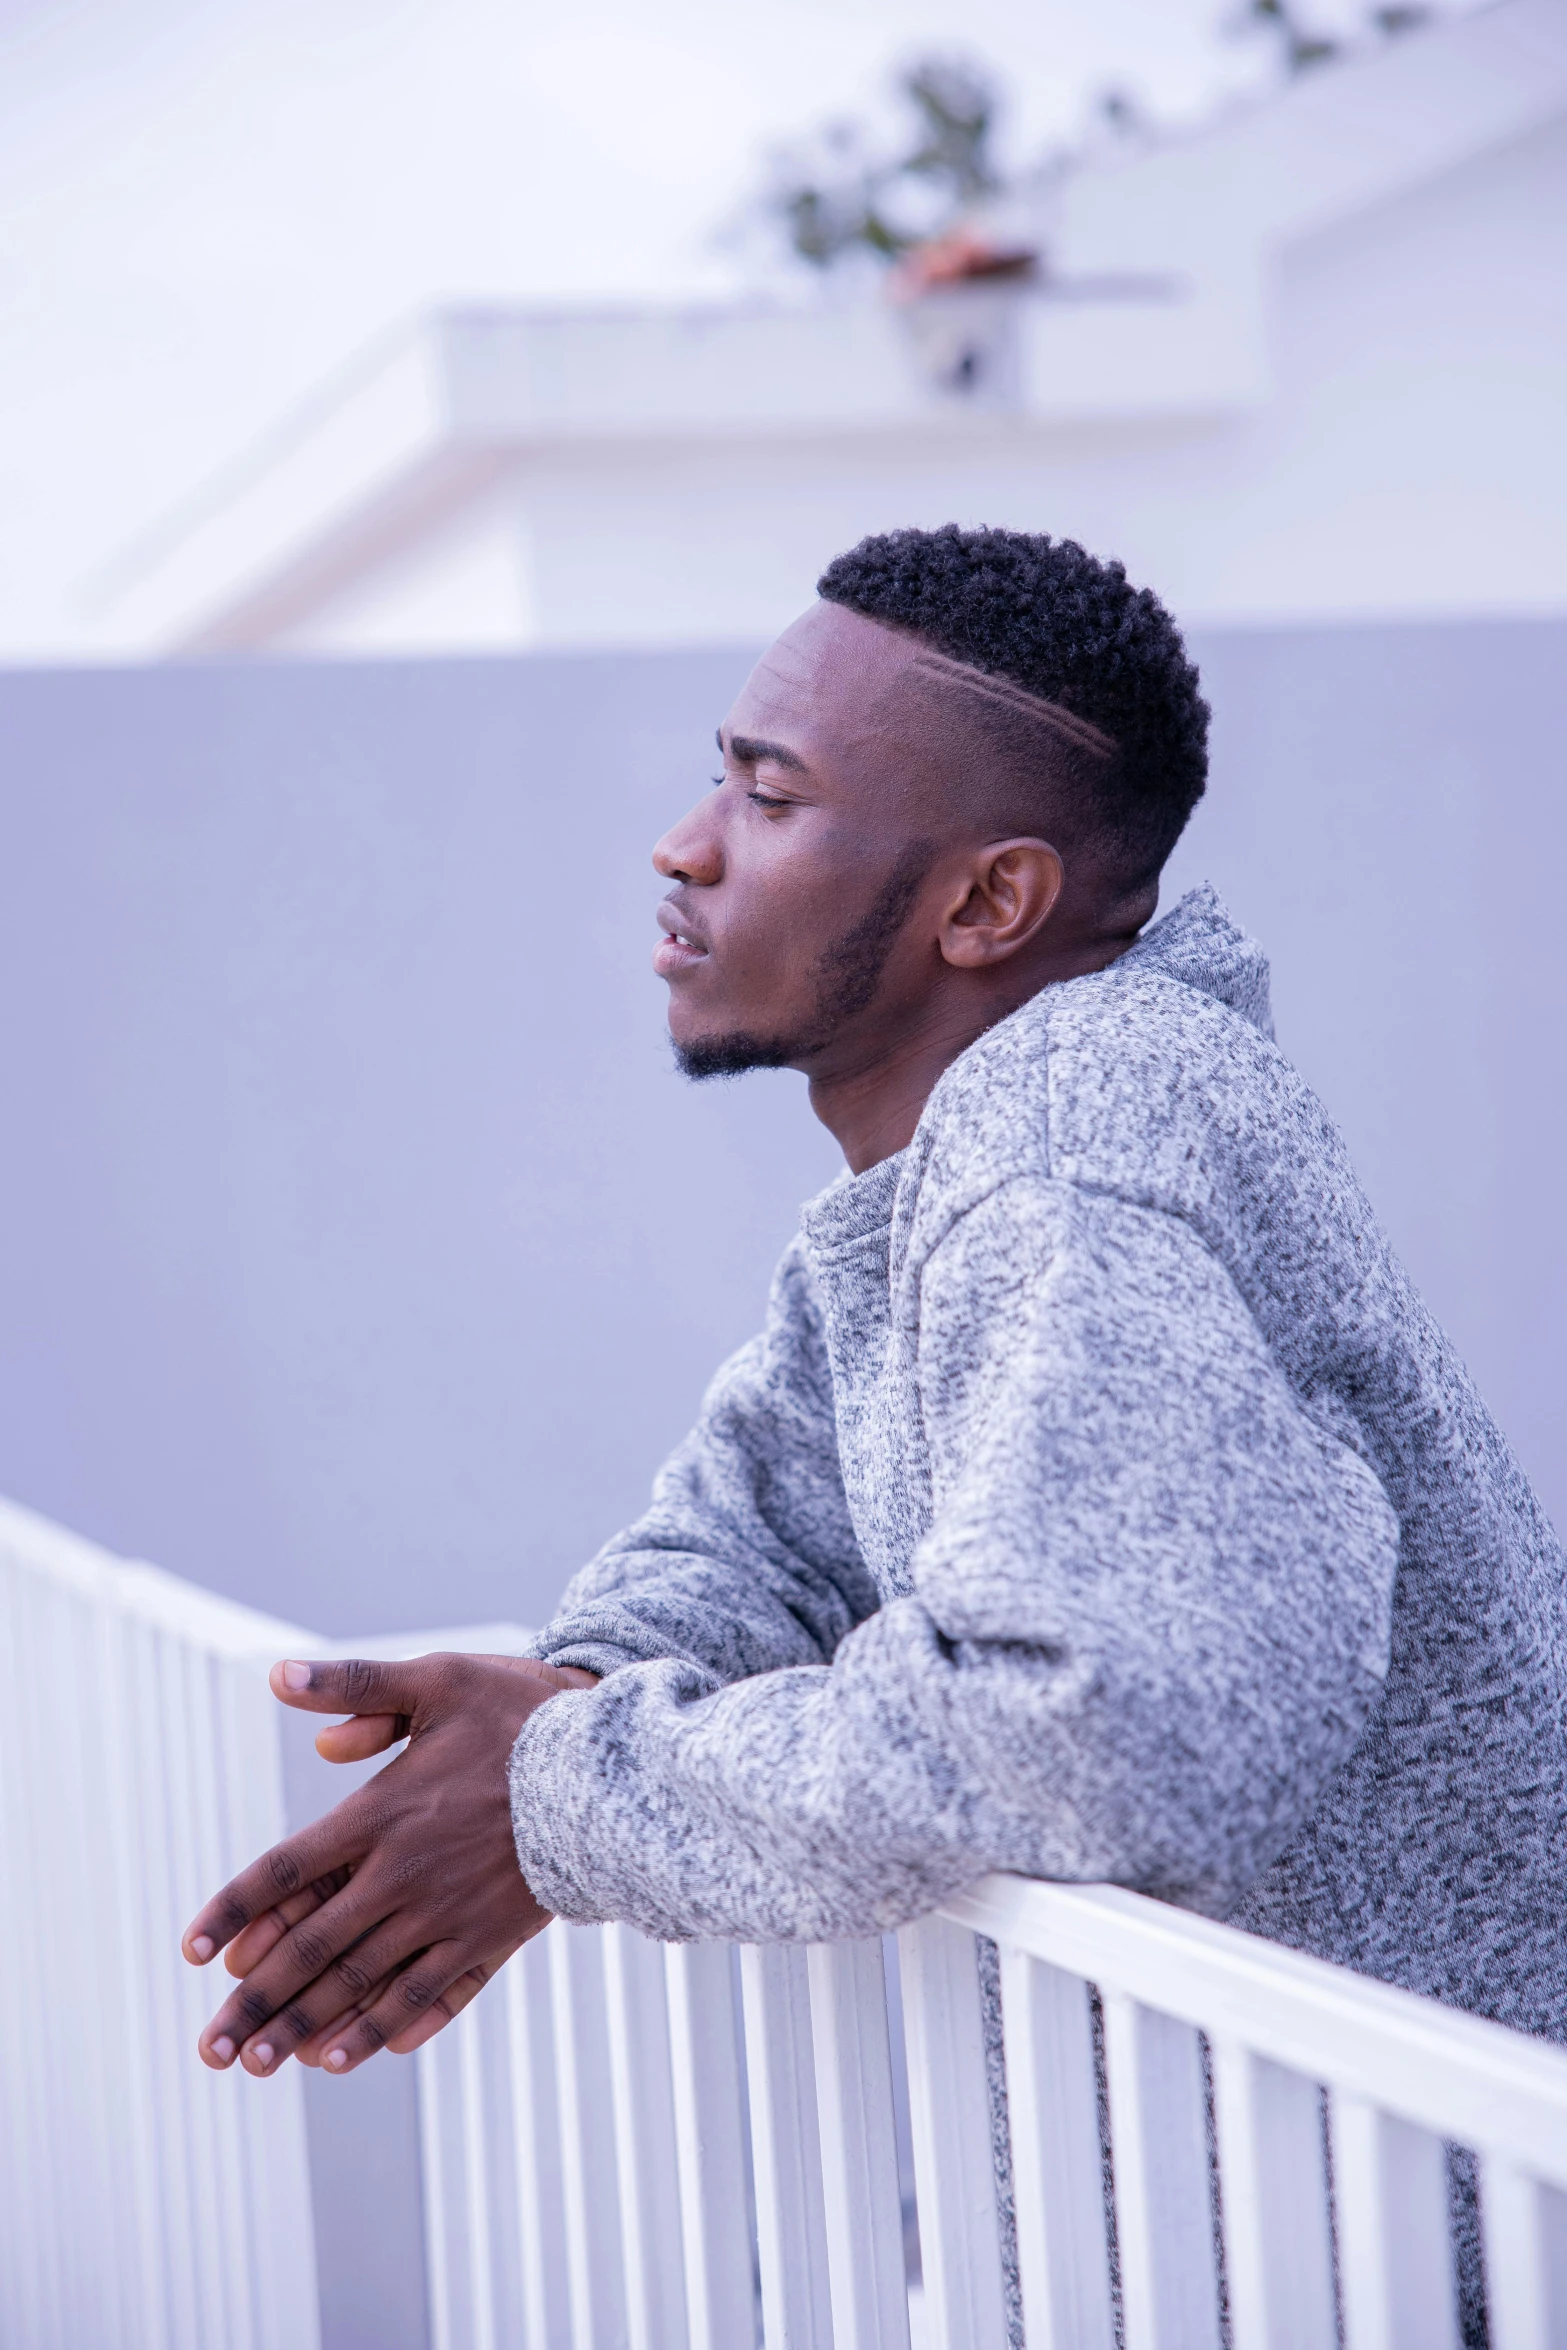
(40, 1663)
(864, 2215)
(1053, 2103)
(466, 2031)
(536, 2162)
(167, 2001)
(1277, 2232)
(951, 2122)
(587, 2137)
(709, 2134)
(646, 2154)
(1360, 2205)
(439, 2092)
(786, 2153)
(1517, 2284)
(1395, 2257)
(556, 2127)
(1163, 2203)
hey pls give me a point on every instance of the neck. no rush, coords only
(870, 1100)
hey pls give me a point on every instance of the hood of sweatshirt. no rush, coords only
(1200, 944)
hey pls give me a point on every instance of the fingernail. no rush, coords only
(262, 2055)
(337, 2058)
(223, 2050)
(201, 1946)
(296, 1676)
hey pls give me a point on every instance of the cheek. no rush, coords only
(788, 904)
(782, 906)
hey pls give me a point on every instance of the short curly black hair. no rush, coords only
(1055, 620)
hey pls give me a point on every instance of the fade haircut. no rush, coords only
(1070, 629)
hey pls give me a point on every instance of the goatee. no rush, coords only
(847, 976)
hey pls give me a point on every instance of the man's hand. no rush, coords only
(374, 1927)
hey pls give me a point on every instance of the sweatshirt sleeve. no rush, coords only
(746, 1561)
(1147, 1624)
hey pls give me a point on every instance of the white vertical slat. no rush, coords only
(193, 1873)
(709, 2133)
(1278, 2233)
(950, 2118)
(1164, 2215)
(1517, 2286)
(19, 2232)
(1395, 2258)
(439, 2085)
(167, 2145)
(1063, 2253)
(864, 2215)
(786, 2155)
(232, 2099)
(477, 2170)
(498, 2149)
(647, 2159)
(587, 2137)
(145, 2292)
(536, 2165)
(273, 2163)
(41, 1661)
(187, 2132)
(84, 2016)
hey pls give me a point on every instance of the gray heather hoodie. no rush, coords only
(1100, 1502)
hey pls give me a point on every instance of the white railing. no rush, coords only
(695, 2148)
(146, 2203)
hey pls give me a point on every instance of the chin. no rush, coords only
(730, 1053)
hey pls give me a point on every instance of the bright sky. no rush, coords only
(206, 205)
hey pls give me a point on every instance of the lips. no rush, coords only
(681, 948)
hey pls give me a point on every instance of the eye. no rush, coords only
(764, 800)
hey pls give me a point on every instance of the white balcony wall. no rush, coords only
(1306, 365)
(692, 2148)
(362, 1253)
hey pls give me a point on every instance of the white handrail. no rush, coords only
(148, 2204)
(694, 2148)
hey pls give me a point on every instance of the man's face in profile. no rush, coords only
(793, 881)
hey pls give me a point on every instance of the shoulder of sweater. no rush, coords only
(1129, 1083)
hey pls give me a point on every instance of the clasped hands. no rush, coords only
(375, 1926)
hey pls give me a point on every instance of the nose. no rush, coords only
(690, 851)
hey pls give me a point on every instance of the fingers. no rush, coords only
(250, 1946)
(418, 2002)
(311, 2051)
(435, 2018)
(352, 1987)
(359, 1685)
(333, 1843)
(360, 1736)
(321, 1966)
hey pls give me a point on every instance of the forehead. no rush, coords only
(824, 685)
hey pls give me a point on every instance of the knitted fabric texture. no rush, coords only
(1100, 1502)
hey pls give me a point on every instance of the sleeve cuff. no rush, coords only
(592, 1656)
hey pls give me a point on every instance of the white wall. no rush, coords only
(360, 1251)
(1408, 462)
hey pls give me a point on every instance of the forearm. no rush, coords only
(818, 1803)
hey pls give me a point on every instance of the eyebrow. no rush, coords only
(749, 752)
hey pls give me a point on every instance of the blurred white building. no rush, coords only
(1309, 364)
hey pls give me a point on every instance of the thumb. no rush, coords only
(357, 1685)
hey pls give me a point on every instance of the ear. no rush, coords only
(1007, 893)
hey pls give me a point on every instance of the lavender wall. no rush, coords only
(361, 1253)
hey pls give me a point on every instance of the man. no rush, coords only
(1100, 1501)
